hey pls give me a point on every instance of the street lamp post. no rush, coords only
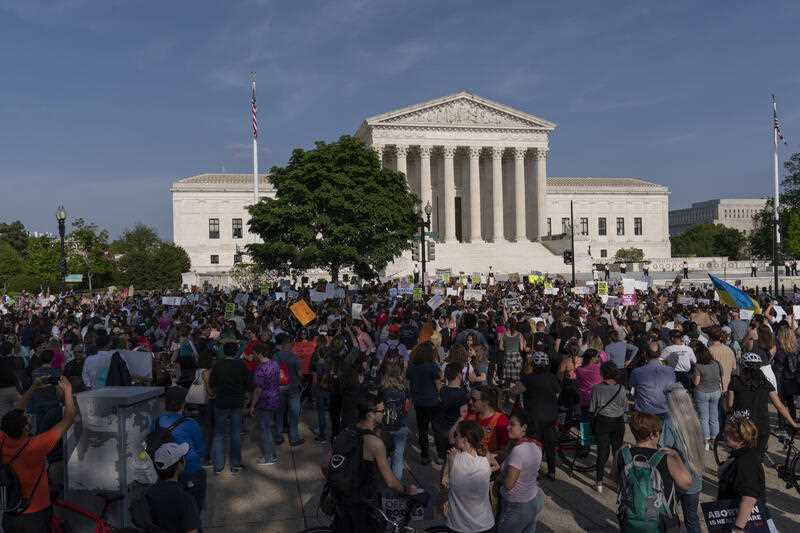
(61, 216)
(424, 225)
(572, 238)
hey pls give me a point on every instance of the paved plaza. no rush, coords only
(283, 498)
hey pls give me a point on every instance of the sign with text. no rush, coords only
(302, 312)
(452, 291)
(721, 515)
(230, 310)
(435, 302)
(628, 299)
(416, 296)
(172, 300)
(355, 310)
(473, 294)
(73, 278)
(602, 288)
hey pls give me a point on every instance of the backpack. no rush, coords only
(161, 435)
(372, 377)
(343, 482)
(643, 507)
(392, 355)
(12, 501)
(395, 410)
(142, 516)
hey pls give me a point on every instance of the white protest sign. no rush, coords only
(779, 312)
(746, 314)
(796, 312)
(452, 291)
(473, 294)
(172, 300)
(551, 291)
(280, 296)
(640, 285)
(355, 310)
(435, 302)
(628, 286)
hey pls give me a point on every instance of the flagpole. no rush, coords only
(776, 235)
(255, 140)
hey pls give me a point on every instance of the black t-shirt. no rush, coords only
(645, 454)
(172, 508)
(422, 378)
(230, 380)
(742, 475)
(751, 394)
(451, 400)
(541, 395)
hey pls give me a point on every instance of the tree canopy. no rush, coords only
(789, 213)
(15, 234)
(147, 262)
(710, 240)
(629, 254)
(335, 207)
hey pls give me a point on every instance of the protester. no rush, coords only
(289, 390)
(265, 403)
(394, 425)
(522, 499)
(540, 389)
(485, 410)
(229, 381)
(707, 381)
(607, 406)
(453, 406)
(648, 382)
(171, 507)
(425, 380)
(741, 477)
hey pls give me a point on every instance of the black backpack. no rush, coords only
(161, 435)
(142, 516)
(12, 501)
(344, 478)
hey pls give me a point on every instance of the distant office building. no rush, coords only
(736, 213)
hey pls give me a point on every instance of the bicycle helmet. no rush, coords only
(540, 359)
(752, 359)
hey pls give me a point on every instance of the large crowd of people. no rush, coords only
(484, 386)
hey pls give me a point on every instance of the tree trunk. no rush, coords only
(334, 273)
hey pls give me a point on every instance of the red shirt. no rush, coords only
(495, 430)
(304, 350)
(30, 464)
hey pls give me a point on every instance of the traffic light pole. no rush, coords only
(424, 225)
(572, 235)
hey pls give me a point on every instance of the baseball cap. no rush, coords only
(168, 454)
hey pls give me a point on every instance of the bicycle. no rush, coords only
(101, 524)
(575, 449)
(788, 472)
(399, 525)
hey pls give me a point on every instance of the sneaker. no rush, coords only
(708, 446)
(298, 442)
(599, 488)
(236, 469)
(263, 461)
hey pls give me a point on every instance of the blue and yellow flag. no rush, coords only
(733, 296)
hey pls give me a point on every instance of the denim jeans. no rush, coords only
(689, 505)
(290, 401)
(322, 401)
(707, 404)
(520, 517)
(195, 484)
(400, 437)
(266, 440)
(221, 417)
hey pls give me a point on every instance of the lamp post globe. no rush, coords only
(61, 217)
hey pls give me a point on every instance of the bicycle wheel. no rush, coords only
(574, 455)
(721, 450)
(793, 477)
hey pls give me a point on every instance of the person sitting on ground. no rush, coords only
(172, 508)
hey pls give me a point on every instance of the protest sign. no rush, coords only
(602, 288)
(355, 310)
(779, 312)
(628, 299)
(746, 314)
(512, 302)
(476, 279)
(230, 309)
(280, 296)
(581, 290)
(552, 291)
(720, 517)
(172, 300)
(393, 292)
(446, 277)
(686, 300)
(628, 286)
(473, 294)
(435, 302)
(796, 312)
(416, 295)
(405, 291)
(451, 291)
(612, 301)
(640, 285)
(302, 312)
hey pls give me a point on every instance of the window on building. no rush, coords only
(584, 226)
(603, 252)
(549, 226)
(564, 225)
(213, 228)
(237, 258)
(237, 228)
(214, 259)
(620, 226)
(601, 226)
(637, 226)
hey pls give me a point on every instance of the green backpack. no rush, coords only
(643, 507)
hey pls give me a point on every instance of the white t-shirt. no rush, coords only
(679, 356)
(469, 507)
(525, 457)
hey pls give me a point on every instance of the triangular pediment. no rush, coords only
(461, 109)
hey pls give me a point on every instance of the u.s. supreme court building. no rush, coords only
(483, 168)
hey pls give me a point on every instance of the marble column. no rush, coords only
(540, 156)
(449, 195)
(497, 194)
(519, 194)
(402, 151)
(379, 151)
(425, 190)
(474, 194)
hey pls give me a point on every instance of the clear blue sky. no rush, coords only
(103, 104)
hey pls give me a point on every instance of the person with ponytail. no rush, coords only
(467, 479)
(522, 500)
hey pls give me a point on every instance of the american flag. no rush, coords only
(254, 110)
(775, 123)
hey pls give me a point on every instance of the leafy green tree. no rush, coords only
(146, 262)
(89, 253)
(335, 207)
(42, 262)
(630, 255)
(762, 237)
(10, 262)
(709, 240)
(139, 237)
(791, 231)
(16, 235)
